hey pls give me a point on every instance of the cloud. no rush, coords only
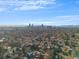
(58, 20)
(66, 20)
(2, 9)
(26, 4)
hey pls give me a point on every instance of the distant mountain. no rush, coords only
(70, 26)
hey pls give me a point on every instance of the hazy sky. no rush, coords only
(48, 12)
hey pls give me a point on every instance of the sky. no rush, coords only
(37, 12)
